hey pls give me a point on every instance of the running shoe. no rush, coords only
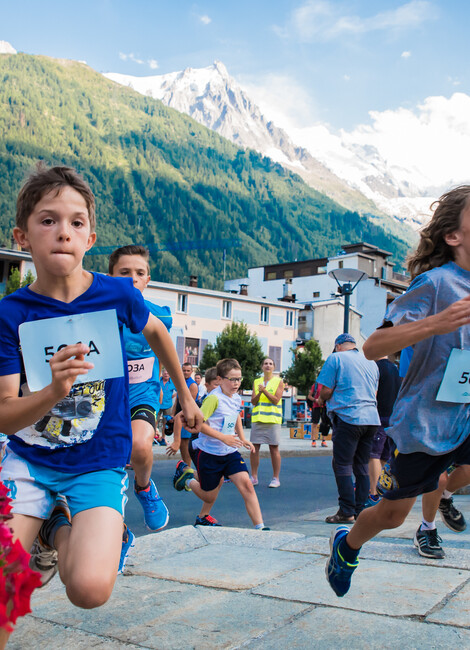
(338, 571)
(428, 544)
(314, 443)
(155, 511)
(44, 558)
(372, 501)
(275, 483)
(207, 520)
(323, 443)
(253, 480)
(183, 473)
(128, 542)
(452, 517)
(162, 442)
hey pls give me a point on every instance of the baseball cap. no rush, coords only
(345, 338)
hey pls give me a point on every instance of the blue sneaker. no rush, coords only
(183, 473)
(155, 511)
(371, 501)
(127, 544)
(338, 571)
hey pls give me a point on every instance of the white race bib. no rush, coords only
(41, 339)
(140, 370)
(455, 385)
(229, 425)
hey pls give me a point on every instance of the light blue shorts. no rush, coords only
(34, 488)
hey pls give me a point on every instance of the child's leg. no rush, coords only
(142, 453)
(275, 460)
(430, 501)
(207, 497)
(459, 478)
(184, 451)
(88, 569)
(386, 514)
(254, 461)
(246, 489)
(207, 507)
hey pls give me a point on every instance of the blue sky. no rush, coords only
(323, 61)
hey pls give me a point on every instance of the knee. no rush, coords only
(141, 448)
(392, 517)
(89, 593)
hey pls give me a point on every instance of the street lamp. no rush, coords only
(347, 277)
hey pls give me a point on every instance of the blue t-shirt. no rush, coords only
(354, 380)
(419, 422)
(142, 364)
(168, 390)
(90, 428)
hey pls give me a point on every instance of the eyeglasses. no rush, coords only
(234, 380)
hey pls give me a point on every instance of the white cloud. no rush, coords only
(152, 63)
(405, 55)
(347, 77)
(205, 20)
(326, 20)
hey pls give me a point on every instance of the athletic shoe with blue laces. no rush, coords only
(155, 511)
(128, 541)
(183, 473)
(338, 571)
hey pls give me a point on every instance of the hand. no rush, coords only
(453, 317)
(249, 445)
(192, 416)
(66, 365)
(232, 441)
(172, 449)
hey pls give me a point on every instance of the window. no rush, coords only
(227, 309)
(191, 351)
(341, 264)
(289, 273)
(182, 303)
(289, 318)
(271, 275)
(264, 318)
(316, 294)
(275, 354)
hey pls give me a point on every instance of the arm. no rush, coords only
(240, 433)
(160, 341)
(276, 398)
(231, 441)
(175, 445)
(16, 413)
(255, 396)
(193, 391)
(388, 340)
(325, 395)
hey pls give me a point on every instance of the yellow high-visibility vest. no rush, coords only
(265, 411)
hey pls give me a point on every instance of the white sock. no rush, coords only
(428, 525)
(259, 526)
(446, 494)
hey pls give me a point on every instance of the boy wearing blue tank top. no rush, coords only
(216, 448)
(144, 393)
(64, 404)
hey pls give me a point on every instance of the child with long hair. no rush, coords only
(430, 421)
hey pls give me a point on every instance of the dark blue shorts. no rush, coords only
(382, 445)
(211, 468)
(409, 475)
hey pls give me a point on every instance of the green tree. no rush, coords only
(236, 342)
(14, 282)
(305, 368)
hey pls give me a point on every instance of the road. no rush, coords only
(307, 484)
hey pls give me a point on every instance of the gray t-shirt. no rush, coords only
(354, 380)
(419, 422)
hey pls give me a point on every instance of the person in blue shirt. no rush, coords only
(144, 389)
(71, 435)
(168, 392)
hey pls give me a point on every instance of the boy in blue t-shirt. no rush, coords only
(144, 391)
(66, 437)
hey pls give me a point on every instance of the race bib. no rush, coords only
(229, 425)
(99, 330)
(140, 370)
(455, 385)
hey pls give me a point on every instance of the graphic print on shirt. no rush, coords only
(71, 421)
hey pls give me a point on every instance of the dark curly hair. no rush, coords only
(433, 249)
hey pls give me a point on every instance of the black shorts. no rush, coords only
(211, 468)
(382, 445)
(146, 413)
(409, 475)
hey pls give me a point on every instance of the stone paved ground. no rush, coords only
(232, 588)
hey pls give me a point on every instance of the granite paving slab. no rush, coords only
(222, 566)
(34, 634)
(157, 546)
(328, 630)
(386, 551)
(377, 587)
(456, 611)
(152, 613)
(247, 537)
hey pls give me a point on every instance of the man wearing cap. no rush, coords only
(349, 387)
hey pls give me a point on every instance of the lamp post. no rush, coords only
(347, 277)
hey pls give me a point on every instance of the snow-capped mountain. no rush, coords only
(6, 48)
(347, 167)
(216, 100)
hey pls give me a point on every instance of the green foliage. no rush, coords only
(236, 342)
(160, 177)
(305, 368)
(14, 282)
